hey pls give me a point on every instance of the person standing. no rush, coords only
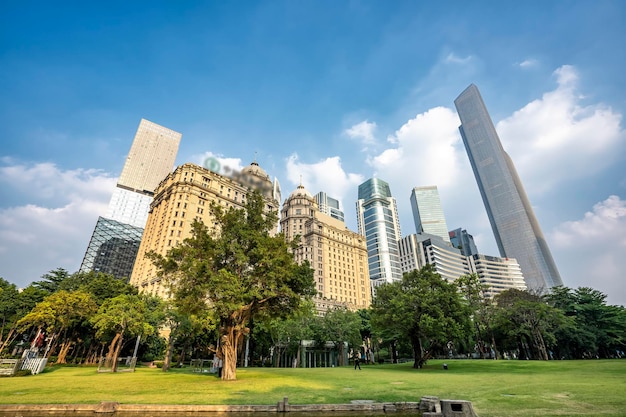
(357, 361)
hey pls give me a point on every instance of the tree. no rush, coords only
(52, 280)
(341, 326)
(58, 314)
(481, 310)
(424, 307)
(20, 303)
(593, 328)
(528, 320)
(120, 317)
(238, 270)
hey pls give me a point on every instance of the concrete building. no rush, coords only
(428, 213)
(499, 274)
(185, 195)
(337, 255)
(116, 237)
(377, 219)
(510, 213)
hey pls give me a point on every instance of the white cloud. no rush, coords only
(363, 131)
(590, 251)
(427, 150)
(452, 58)
(326, 175)
(35, 239)
(551, 138)
(529, 63)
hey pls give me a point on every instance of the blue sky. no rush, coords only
(333, 92)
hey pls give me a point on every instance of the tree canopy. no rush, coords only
(238, 270)
(423, 307)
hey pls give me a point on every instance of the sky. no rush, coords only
(327, 93)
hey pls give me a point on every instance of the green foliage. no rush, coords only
(124, 314)
(424, 308)
(60, 311)
(51, 281)
(238, 270)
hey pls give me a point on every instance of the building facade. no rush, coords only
(151, 158)
(463, 241)
(182, 197)
(498, 274)
(329, 206)
(377, 219)
(337, 255)
(512, 218)
(428, 213)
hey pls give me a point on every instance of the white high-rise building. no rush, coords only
(377, 218)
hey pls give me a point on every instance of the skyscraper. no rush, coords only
(512, 219)
(377, 217)
(329, 206)
(427, 212)
(116, 237)
(462, 240)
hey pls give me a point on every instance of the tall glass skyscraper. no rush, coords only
(377, 217)
(116, 237)
(512, 218)
(427, 212)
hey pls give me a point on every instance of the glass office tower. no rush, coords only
(512, 219)
(427, 212)
(115, 240)
(377, 217)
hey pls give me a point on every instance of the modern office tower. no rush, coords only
(112, 248)
(377, 218)
(183, 196)
(337, 255)
(427, 212)
(498, 274)
(115, 240)
(462, 240)
(328, 205)
(512, 218)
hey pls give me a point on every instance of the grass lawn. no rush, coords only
(496, 388)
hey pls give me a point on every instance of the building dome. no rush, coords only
(255, 177)
(255, 170)
(300, 192)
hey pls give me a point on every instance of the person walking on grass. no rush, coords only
(357, 361)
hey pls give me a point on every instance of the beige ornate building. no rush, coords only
(185, 195)
(337, 255)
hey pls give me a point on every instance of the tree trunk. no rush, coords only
(9, 339)
(228, 346)
(118, 348)
(418, 352)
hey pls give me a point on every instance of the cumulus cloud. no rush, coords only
(326, 175)
(550, 135)
(427, 150)
(363, 132)
(590, 251)
(36, 238)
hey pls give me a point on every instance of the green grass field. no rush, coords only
(496, 388)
